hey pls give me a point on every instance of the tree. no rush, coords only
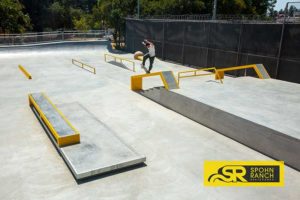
(114, 13)
(80, 14)
(82, 23)
(271, 6)
(281, 11)
(12, 17)
(181, 7)
(57, 15)
(291, 11)
(38, 13)
(172, 7)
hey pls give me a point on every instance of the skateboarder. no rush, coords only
(151, 55)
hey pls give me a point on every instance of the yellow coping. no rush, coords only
(193, 73)
(121, 60)
(83, 65)
(220, 72)
(137, 80)
(61, 140)
(25, 72)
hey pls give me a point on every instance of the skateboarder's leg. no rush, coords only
(151, 63)
(146, 56)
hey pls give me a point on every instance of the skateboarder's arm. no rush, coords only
(147, 41)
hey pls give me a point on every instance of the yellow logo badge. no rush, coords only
(243, 173)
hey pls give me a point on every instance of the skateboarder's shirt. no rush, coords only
(151, 51)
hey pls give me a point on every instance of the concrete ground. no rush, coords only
(269, 102)
(175, 146)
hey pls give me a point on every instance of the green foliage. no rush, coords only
(181, 7)
(96, 14)
(12, 17)
(57, 15)
(271, 6)
(172, 7)
(81, 23)
(113, 13)
(38, 13)
(291, 10)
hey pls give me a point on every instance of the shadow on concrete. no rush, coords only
(214, 81)
(121, 65)
(111, 50)
(111, 173)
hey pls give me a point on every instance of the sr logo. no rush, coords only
(229, 173)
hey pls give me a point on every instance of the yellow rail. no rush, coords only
(121, 60)
(61, 140)
(83, 66)
(220, 72)
(193, 73)
(25, 72)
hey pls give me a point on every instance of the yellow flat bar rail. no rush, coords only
(25, 72)
(220, 72)
(193, 73)
(84, 66)
(116, 58)
(137, 80)
(60, 140)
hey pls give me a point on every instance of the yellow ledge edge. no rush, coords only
(61, 141)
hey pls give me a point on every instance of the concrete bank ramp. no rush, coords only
(277, 144)
(100, 150)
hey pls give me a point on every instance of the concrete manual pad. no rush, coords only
(99, 151)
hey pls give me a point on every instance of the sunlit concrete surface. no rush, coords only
(269, 102)
(175, 146)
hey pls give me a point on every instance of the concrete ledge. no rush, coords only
(273, 143)
(100, 150)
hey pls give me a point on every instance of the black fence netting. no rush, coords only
(217, 44)
(291, 43)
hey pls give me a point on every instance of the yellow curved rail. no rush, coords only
(260, 71)
(193, 73)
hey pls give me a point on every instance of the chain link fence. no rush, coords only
(45, 37)
(221, 44)
(220, 17)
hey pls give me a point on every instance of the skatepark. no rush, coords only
(135, 144)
